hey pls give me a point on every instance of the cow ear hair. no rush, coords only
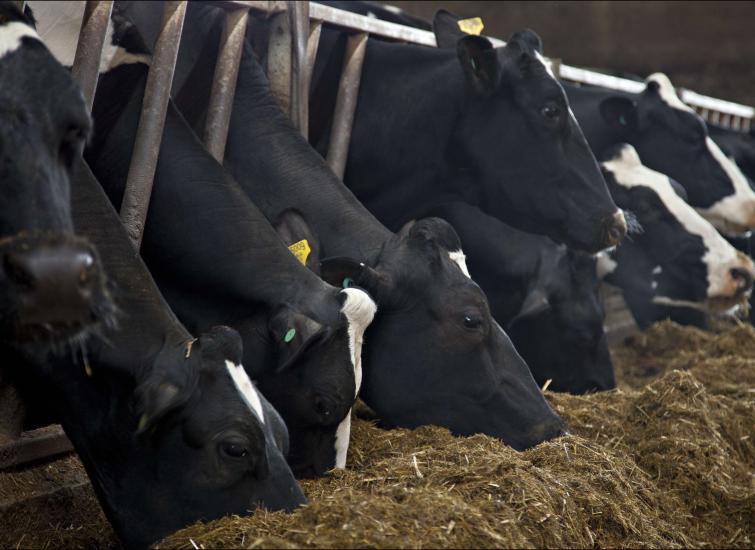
(479, 62)
(620, 113)
(343, 272)
(293, 333)
(296, 232)
(535, 303)
(446, 29)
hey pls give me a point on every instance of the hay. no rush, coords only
(669, 465)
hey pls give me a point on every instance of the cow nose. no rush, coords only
(616, 228)
(742, 279)
(546, 431)
(54, 283)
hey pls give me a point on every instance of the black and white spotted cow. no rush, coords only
(677, 265)
(738, 146)
(672, 139)
(52, 288)
(170, 428)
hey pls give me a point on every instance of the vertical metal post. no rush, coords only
(224, 82)
(279, 60)
(346, 103)
(309, 60)
(86, 63)
(299, 24)
(151, 122)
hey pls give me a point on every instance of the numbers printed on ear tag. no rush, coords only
(289, 335)
(473, 25)
(301, 250)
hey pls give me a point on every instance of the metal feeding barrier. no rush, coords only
(294, 35)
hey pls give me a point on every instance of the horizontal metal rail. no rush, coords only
(34, 445)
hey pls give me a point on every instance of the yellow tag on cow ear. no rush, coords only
(301, 250)
(473, 25)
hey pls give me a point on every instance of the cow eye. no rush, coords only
(551, 111)
(72, 145)
(322, 407)
(234, 449)
(472, 321)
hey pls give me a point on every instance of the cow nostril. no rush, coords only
(18, 271)
(741, 277)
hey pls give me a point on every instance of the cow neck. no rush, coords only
(145, 320)
(278, 169)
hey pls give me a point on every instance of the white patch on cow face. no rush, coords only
(246, 389)
(734, 214)
(668, 93)
(657, 270)
(720, 257)
(343, 436)
(605, 264)
(460, 259)
(11, 35)
(546, 63)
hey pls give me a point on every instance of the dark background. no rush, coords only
(708, 47)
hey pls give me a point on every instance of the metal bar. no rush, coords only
(315, 29)
(86, 62)
(299, 25)
(279, 59)
(151, 121)
(224, 82)
(725, 120)
(34, 445)
(346, 103)
(267, 6)
(736, 123)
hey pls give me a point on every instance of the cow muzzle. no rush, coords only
(615, 228)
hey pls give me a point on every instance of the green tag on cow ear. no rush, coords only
(289, 335)
(622, 120)
(347, 282)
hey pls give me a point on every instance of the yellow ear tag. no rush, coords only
(473, 25)
(301, 250)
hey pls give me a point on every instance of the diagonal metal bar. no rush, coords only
(151, 122)
(346, 103)
(224, 82)
(86, 63)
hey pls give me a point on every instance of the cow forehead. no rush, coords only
(668, 93)
(12, 35)
(246, 389)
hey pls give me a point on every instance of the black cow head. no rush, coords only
(563, 305)
(191, 440)
(542, 177)
(434, 354)
(51, 282)
(678, 258)
(672, 139)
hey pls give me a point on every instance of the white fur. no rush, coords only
(343, 435)
(246, 388)
(657, 270)
(738, 208)
(547, 63)
(11, 35)
(719, 255)
(668, 93)
(460, 259)
(605, 264)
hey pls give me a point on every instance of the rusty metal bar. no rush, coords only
(151, 121)
(34, 445)
(86, 63)
(279, 60)
(346, 103)
(313, 42)
(224, 82)
(299, 25)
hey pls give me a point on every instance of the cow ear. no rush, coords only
(535, 303)
(294, 333)
(620, 113)
(446, 29)
(479, 62)
(345, 272)
(528, 39)
(299, 238)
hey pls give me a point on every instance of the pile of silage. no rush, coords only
(666, 466)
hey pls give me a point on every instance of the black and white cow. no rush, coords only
(672, 139)
(541, 292)
(170, 428)
(678, 259)
(738, 146)
(433, 354)
(219, 261)
(51, 283)
(491, 125)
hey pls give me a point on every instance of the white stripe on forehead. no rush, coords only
(719, 255)
(11, 35)
(667, 92)
(246, 389)
(459, 259)
(343, 436)
(737, 208)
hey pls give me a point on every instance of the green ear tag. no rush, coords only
(622, 120)
(347, 282)
(289, 335)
